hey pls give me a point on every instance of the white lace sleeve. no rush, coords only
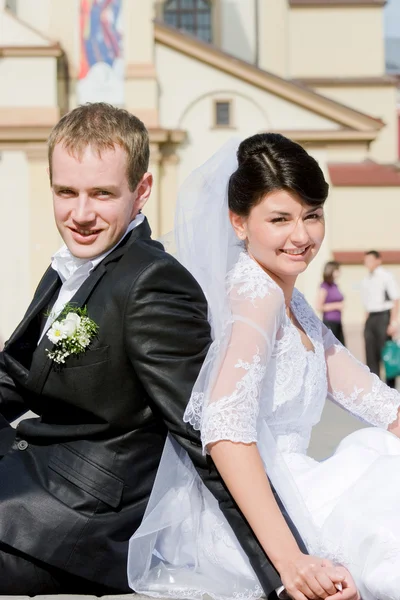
(355, 388)
(229, 409)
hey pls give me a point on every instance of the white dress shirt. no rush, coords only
(74, 271)
(377, 287)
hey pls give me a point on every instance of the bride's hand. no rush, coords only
(310, 578)
(350, 591)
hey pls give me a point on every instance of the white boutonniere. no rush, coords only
(71, 333)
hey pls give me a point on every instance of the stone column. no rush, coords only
(152, 208)
(44, 238)
(141, 91)
(168, 188)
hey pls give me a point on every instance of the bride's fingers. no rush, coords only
(346, 594)
(299, 590)
(326, 582)
(322, 586)
(335, 574)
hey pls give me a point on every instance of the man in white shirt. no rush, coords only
(380, 296)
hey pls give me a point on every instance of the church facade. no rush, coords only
(199, 72)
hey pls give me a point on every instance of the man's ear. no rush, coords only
(143, 191)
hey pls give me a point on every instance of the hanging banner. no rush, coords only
(101, 69)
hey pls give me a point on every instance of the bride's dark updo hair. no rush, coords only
(268, 162)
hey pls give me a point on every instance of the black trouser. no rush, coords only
(375, 335)
(336, 328)
(23, 575)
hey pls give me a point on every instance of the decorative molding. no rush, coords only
(149, 116)
(31, 51)
(296, 94)
(336, 3)
(327, 135)
(165, 136)
(29, 116)
(356, 257)
(364, 174)
(383, 81)
(140, 71)
(37, 151)
(24, 124)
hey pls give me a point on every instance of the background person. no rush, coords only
(330, 300)
(380, 295)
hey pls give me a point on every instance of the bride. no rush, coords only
(248, 223)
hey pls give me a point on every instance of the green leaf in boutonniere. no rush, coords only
(71, 333)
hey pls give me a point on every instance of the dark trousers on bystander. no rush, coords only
(375, 337)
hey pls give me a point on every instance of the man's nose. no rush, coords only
(83, 210)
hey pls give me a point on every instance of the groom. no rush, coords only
(76, 480)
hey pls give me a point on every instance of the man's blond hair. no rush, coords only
(103, 126)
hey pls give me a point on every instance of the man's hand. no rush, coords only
(312, 578)
(392, 329)
(349, 590)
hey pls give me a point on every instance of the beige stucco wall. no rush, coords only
(38, 19)
(13, 33)
(31, 81)
(273, 31)
(347, 152)
(379, 102)
(237, 28)
(336, 42)
(362, 217)
(44, 237)
(15, 276)
(198, 83)
(28, 236)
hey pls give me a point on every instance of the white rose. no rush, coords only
(55, 333)
(70, 324)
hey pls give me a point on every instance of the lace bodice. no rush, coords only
(264, 375)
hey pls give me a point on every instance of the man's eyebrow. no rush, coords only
(59, 186)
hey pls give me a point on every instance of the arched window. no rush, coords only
(193, 16)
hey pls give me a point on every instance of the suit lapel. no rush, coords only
(46, 290)
(41, 364)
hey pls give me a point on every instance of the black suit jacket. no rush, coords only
(76, 481)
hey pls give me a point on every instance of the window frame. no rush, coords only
(215, 6)
(230, 103)
(14, 6)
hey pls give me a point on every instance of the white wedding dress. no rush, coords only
(268, 388)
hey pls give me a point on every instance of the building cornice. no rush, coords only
(329, 135)
(383, 81)
(337, 3)
(31, 51)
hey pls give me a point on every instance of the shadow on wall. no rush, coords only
(234, 37)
